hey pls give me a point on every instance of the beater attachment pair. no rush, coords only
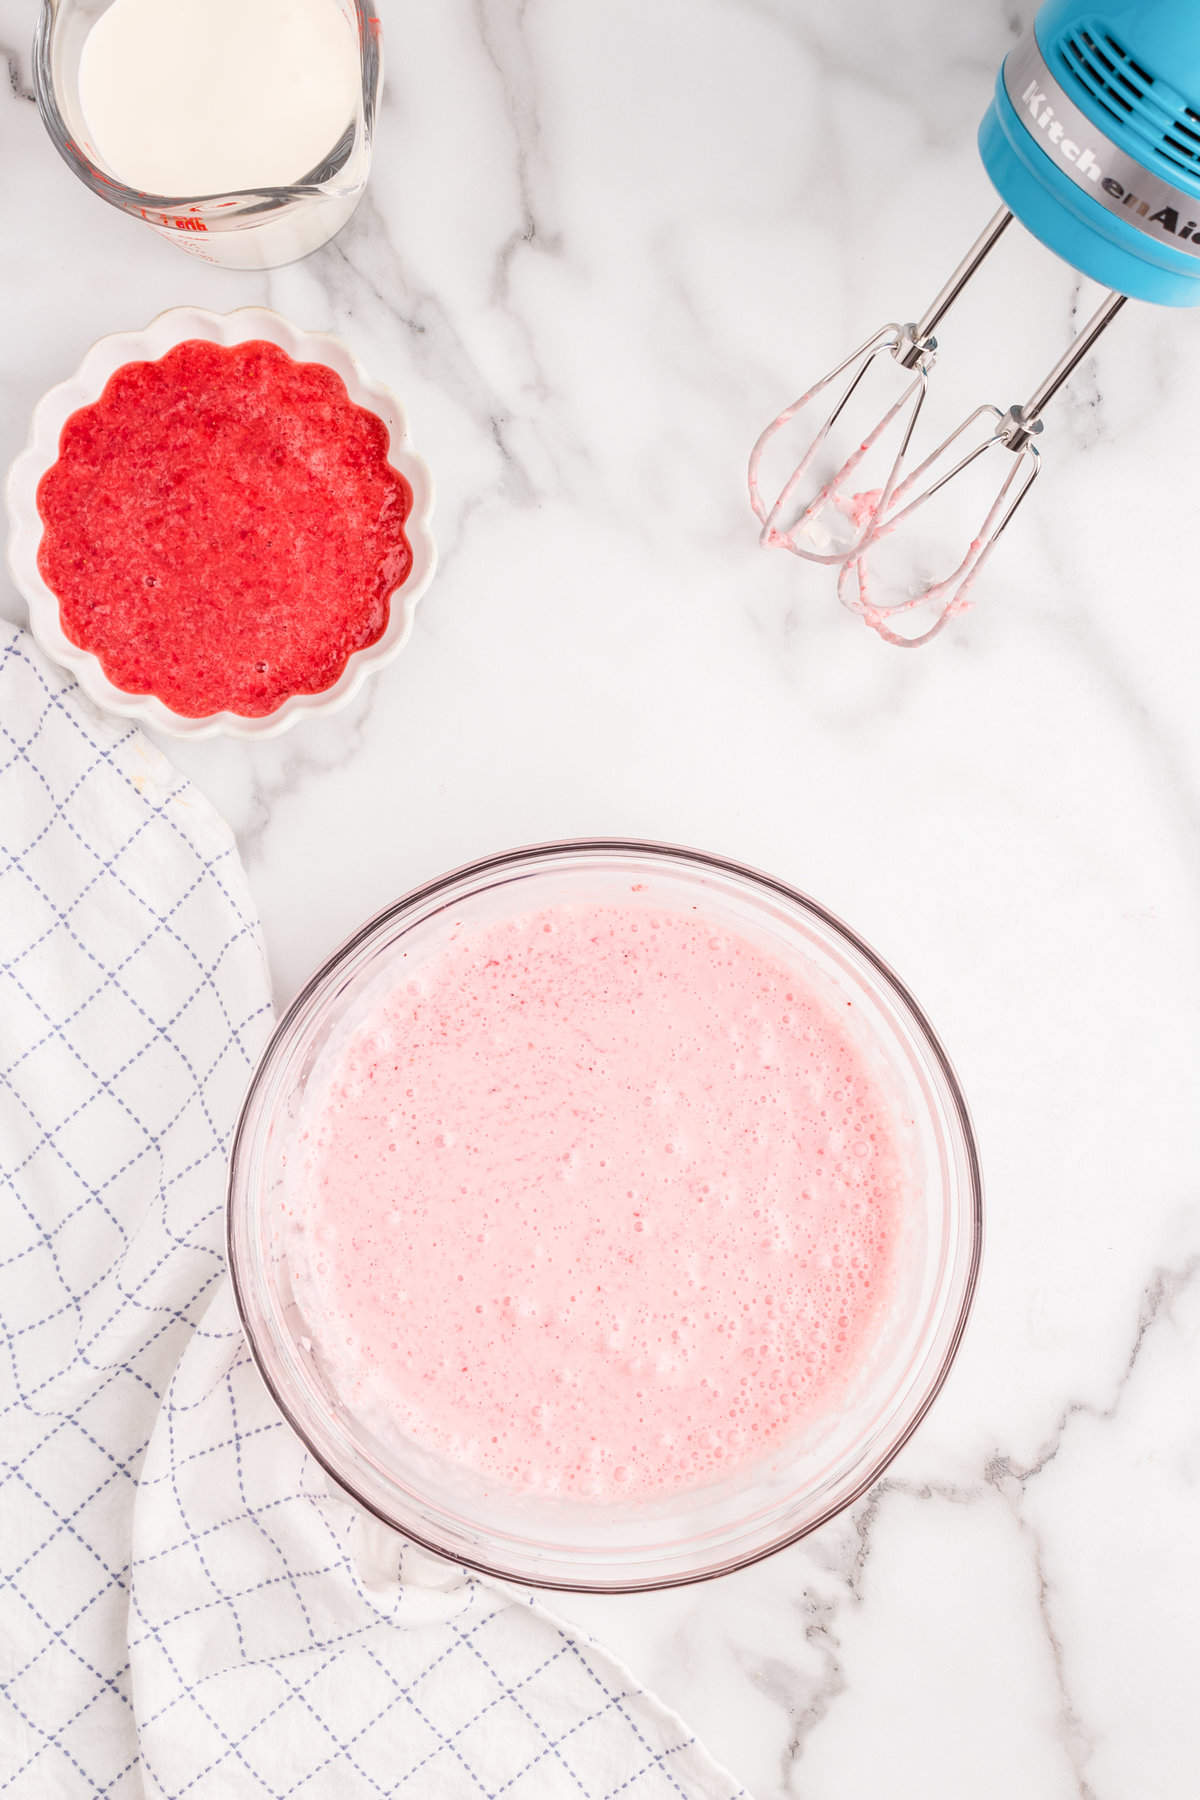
(857, 502)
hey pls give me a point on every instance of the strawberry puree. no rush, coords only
(599, 1201)
(223, 529)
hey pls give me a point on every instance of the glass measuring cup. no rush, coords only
(251, 229)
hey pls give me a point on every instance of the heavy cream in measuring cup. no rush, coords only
(192, 97)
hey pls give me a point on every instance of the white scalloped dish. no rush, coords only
(84, 388)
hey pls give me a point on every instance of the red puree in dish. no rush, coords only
(223, 529)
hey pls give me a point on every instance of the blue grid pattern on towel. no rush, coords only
(133, 1003)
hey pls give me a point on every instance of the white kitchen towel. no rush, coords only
(188, 1607)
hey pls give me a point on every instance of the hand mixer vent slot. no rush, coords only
(1151, 109)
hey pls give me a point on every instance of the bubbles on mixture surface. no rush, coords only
(603, 1202)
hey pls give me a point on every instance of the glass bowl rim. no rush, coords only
(970, 1208)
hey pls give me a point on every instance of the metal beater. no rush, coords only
(1100, 158)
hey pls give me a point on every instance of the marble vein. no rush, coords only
(19, 87)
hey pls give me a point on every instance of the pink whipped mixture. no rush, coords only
(600, 1200)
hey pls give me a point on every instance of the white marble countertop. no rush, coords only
(602, 244)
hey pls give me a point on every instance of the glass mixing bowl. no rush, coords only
(684, 1536)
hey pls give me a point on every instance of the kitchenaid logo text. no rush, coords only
(1049, 122)
(1086, 163)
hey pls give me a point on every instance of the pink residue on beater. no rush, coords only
(600, 1201)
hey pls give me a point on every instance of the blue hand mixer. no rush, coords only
(1092, 140)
